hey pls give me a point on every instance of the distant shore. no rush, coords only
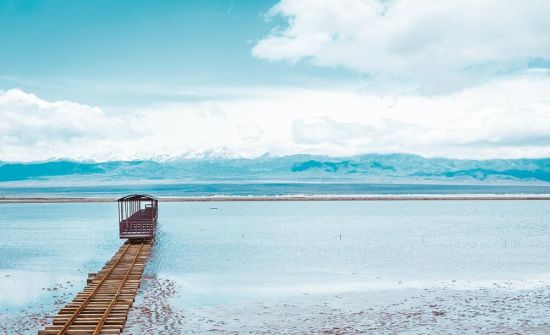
(411, 197)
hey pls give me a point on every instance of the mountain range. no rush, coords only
(367, 168)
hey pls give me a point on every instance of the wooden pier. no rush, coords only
(103, 306)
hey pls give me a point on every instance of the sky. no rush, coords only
(119, 80)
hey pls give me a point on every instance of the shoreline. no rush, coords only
(413, 197)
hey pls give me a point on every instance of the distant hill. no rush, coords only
(368, 168)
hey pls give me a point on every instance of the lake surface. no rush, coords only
(240, 252)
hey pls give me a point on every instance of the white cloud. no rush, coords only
(436, 45)
(34, 129)
(500, 119)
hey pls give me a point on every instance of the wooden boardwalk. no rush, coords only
(103, 306)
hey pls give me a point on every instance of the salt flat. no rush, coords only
(433, 267)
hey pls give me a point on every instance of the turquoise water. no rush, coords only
(227, 252)
(232, 188)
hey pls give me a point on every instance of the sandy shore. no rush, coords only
(412, 197)
(499, 308)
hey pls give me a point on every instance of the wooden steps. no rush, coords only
(103, 306)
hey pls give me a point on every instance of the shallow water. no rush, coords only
(248, 252)
(241, 251)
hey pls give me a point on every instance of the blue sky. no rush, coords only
(107, 80)
(96, 52)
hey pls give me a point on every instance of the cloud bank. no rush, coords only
(502, 119)
(34, 129)
(435, 46)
